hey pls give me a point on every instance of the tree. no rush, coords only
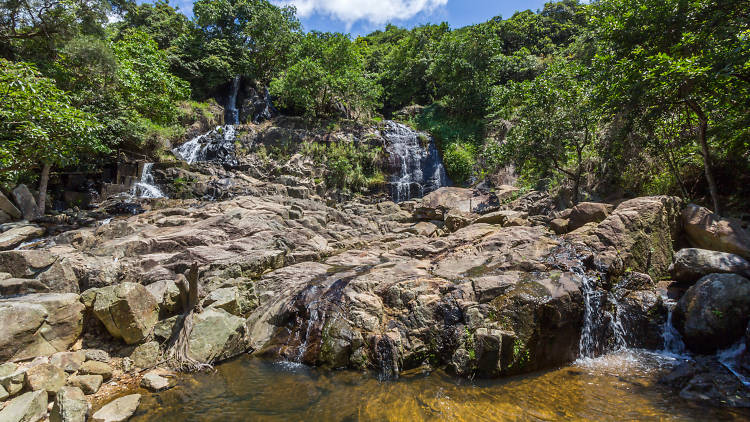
(327, 75)
(660, 58)
(38, 126)
(554, 122)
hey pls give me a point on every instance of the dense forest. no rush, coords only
(627, 96)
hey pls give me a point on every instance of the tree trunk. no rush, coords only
(702, 129)
(41, 201)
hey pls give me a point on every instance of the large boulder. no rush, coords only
(39, 325)
(637, 236)
(588, 212)
(435, 205)
(714, 313)
(16, 236)
(46, 377)
(70, 406)
(7, 207)
(119, 410)
(28, 407)
(216, 335)
(691, 264)
(25, 201)
(127, 310)
(707, 230)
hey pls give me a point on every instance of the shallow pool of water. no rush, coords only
(616, 387)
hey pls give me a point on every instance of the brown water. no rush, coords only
(617, 387)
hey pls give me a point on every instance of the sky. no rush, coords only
(360, 17)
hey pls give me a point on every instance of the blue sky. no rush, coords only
(361, 17)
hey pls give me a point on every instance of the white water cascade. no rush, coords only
(673, 345)
(415, 162)
(232, 115)
(204, 147)
(146, 187)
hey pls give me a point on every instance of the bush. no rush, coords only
(459, 162)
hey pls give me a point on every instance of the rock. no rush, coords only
(501, 217)
(93, 367)
(691, 264)
(216, 335)
(164, 329)
(559, 225)
(707, 230)
(25, 201)
(97, 355)
(588, 212)
(127, 310)
(637, 236)
(146, 355)
(68, 361)
(714, 313)
(12, 379)
(28, 407)
(455, 219)
(21, 286)
(154, 382)
(89, 384)
(231, 299)
(119, 410)
(16, 236)
(494, 351)
(46, 377)
(41, 265)
(70, 406)
(39, 325)
(436, 204)
(423, 228)
(642, 316)
(461, 362)
(167, 295)
(7, 207)
(534, 203)
(3, 394)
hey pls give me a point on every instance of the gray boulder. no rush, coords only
(16, 236)
(146, 355)
(46, 377)
(690, 264)
(70, 406)
(52, 271)
(93, 367)
(119, 410)
(39, 325)
(127, 310)
(28, 407)
(25, 201)
(216, 335)
(7, 207)
(154, 382)
(89, 384)
(714, 313)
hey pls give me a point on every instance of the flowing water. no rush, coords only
(619, 386)
(217, 144)
(231, 114)
(146, 187)
(415, 162)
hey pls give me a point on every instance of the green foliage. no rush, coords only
(459, 162)
(350, 167)
(327, 75)
(38, 125)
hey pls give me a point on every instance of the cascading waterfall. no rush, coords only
(599, 308)
(232, 115)
(147, 188)
(415, 161)
(673, 345)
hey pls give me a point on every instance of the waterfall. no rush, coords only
(602, 316)
(231, 114)
(673, 344)
(216, 145)
(589, 343)
(415, 162)
(147, 188)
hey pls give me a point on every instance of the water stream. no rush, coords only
(415, 162)
(231, 115)
(215, 145)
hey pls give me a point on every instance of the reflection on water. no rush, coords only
(616, 387)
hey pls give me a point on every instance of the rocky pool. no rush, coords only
(621, 386)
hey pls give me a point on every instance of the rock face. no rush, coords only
(70, 406)
(28, 407)
(436, 205)
(128, 311)
(639, 235)
(714, 313)
(709, 231)
(119, 410)
(39, 325)
(691, 264)
(7, 207)
(46, 269)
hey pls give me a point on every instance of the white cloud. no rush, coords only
(373, 11)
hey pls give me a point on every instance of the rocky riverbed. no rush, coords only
(476, 283)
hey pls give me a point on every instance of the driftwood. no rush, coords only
(179, 347)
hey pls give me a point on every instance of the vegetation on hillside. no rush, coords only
(637, 96)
